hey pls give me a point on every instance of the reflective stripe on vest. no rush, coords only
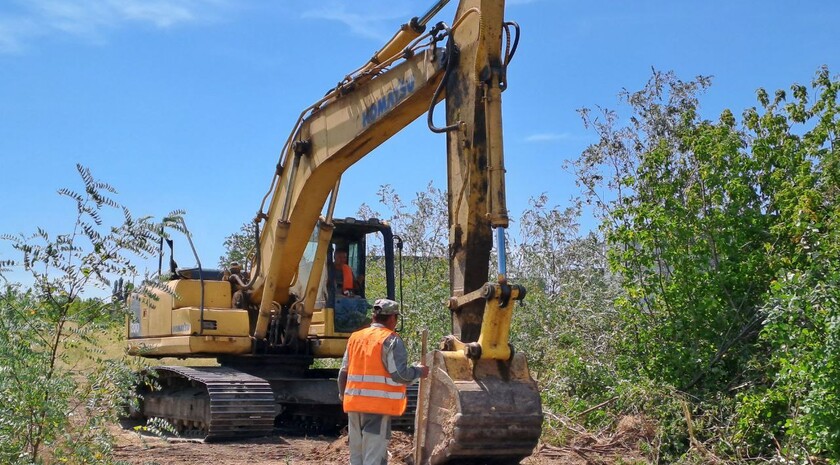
(370, 388)
(373, 379)
(374, 393)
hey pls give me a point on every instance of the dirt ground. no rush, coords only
(137, 449)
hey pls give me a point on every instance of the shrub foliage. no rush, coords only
(725, 236)
(59, 390)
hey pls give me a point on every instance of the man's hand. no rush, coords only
(424, 371)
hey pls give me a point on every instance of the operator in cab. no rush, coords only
(351, 310)
(344, 279)
(372, 384)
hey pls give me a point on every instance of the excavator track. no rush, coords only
(405, 422)
(211, 402)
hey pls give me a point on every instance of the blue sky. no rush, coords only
(186, 103)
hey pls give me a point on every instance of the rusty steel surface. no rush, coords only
(490, 412)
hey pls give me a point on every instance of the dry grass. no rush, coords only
(111, 345)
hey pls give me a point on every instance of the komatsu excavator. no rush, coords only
(266, 328)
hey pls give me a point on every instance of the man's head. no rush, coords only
(386, 312)
(341, 257)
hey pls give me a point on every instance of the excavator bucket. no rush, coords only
(480, 411)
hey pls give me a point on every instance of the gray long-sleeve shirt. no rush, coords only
(394, 358)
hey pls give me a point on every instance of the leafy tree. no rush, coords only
(796, 402)
(58, 388)
(423, 286)
(568, 315)
(240, 247)
(687, 233)
(722, 233)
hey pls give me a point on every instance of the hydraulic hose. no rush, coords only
(451, 61)
(510, 50)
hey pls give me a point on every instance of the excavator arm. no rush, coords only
(475, 156)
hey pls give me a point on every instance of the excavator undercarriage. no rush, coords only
(211, 403)
(221, 403)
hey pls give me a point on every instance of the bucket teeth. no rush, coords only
(484, 411)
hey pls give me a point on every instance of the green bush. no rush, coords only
(726, 237)
(59, 389)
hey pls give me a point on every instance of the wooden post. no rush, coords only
(420, 414)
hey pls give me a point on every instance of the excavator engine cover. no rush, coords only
(478, 411)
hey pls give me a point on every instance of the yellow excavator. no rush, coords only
(265, 328)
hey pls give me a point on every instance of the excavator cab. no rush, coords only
(350, 282)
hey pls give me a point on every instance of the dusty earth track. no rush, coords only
(136, 449)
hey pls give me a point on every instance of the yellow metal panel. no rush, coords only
(157, 315)
(329, 322)
(228, 322)
(323, 323)
(495, 332)
(154, 317)
(188, 293)
(179, 346)
(322, 327)
(316, 329)
(330, 348)
(457, 365)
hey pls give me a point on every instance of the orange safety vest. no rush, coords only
(346, 278)
(370, 388)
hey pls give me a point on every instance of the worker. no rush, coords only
(372, 384)
(344, 274)
(351, 308)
